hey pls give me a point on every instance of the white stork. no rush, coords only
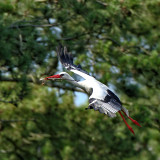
(101, 98)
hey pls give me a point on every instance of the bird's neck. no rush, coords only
(83, 85)
(75, 83)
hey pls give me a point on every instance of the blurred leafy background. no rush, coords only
(118, 42)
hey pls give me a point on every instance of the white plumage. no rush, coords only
(101, 98)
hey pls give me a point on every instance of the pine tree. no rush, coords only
(118, 43)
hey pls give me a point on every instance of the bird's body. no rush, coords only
(101, 98)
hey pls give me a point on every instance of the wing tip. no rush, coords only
(66, 59)
(61, 51)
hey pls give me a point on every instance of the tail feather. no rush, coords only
(134, 121)
(129, 127)
(125, 110)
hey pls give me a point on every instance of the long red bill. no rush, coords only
(52, 77)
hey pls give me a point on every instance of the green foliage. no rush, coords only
(118, 43)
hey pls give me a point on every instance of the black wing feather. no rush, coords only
(110, 105)
(112, 95)
(103, 107)
(67, 60)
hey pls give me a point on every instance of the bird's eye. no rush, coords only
(62, 75)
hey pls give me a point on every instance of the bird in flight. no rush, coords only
(101, 98)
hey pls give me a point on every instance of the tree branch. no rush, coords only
(36, 81)
(33, 25)
(11, 102)
(6, 101)
(15, 120)
(102, 3)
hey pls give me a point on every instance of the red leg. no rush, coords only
(134, 121)
(129, 127)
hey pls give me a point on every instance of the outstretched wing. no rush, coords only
(109, 108)
(109, 105)
(67, 61)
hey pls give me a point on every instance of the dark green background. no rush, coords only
(118, 42)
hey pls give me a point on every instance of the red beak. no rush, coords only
(53, 77)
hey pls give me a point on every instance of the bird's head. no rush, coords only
(62, 75)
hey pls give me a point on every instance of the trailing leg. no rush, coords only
(129, 127)
(134, 121)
